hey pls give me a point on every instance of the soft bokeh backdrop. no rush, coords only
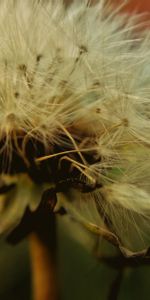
(82, 276)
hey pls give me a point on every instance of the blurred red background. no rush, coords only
(137, 5)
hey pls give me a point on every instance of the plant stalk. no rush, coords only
(43, 258)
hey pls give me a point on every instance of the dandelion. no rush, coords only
(75, 118)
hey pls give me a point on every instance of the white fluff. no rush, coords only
(83, 71)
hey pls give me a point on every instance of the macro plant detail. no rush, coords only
(75, 120)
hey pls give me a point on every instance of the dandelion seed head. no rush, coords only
(76, 80)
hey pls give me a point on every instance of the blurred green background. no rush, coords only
(82, 277)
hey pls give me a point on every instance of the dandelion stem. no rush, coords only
(43, 259)
(115, 287)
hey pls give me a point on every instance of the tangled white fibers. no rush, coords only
(75, 116)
